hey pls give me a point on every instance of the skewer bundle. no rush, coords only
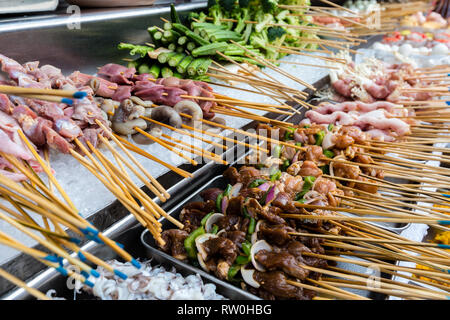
(62, 228)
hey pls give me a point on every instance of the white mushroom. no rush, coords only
(191, 108)
(139, 101)
(166, 114)
(139, 138)
(126, 128)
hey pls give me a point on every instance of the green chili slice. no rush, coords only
(251, 226)
(309, 181)
(319, 137)
(205, 218)
(277, 151)
(275, 176)
(256, 183)
(189, 242)
(246, 246)
(234, 269)
(219, 202)
(242, 260)
(328, 153)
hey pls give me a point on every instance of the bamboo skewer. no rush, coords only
(211, 134)
(336, 289)
(344, 238)
(36, 293)
(167, 146)
(272, 66)
(416, 292)
(186, 133)
(158, 186)
(321, 290)
(137, 150)
(253, 135)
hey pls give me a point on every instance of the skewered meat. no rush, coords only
(313, 153)
(345, 170)
(309, 168)
(45, 122)
(268, 213)
(193, 213)
(324, 186)
(275, 283)
(221, 248)
(238, 237)
(235, 205)
(277, 234)
(281, 261)
(116, 73)
(210, 194)
(232, 175)
(174, 243)
(230, 223)
(290, 184)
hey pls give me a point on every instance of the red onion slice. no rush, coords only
(264, 187)
(224, 205)
(235, 190)
(270, 195)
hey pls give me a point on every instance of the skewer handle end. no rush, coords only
(79, 94)
(120, 274)
(95, 273)
(135, 263)
(67, 101)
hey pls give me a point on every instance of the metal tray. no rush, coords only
(220, 182)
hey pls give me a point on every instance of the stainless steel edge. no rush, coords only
(222, 287)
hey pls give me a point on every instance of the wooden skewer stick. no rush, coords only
(336, 289)
(253, 135)
(213, 135)
(416, 292)
(131, 206)
(290, 51)
(272, 66)
(36, 293)
(165, 145)
(303, 64)
(203, 151)
(192, 149)
(344, 238)
(342, 18)
(302, 94)
(134, 148)
(133, 159)
(188, 134)
(339, 7)
(13, 90)
(321, 290)
(346, 218)
(354, 228)
(156, 210)
(49, 98)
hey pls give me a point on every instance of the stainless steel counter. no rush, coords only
(68, 38)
